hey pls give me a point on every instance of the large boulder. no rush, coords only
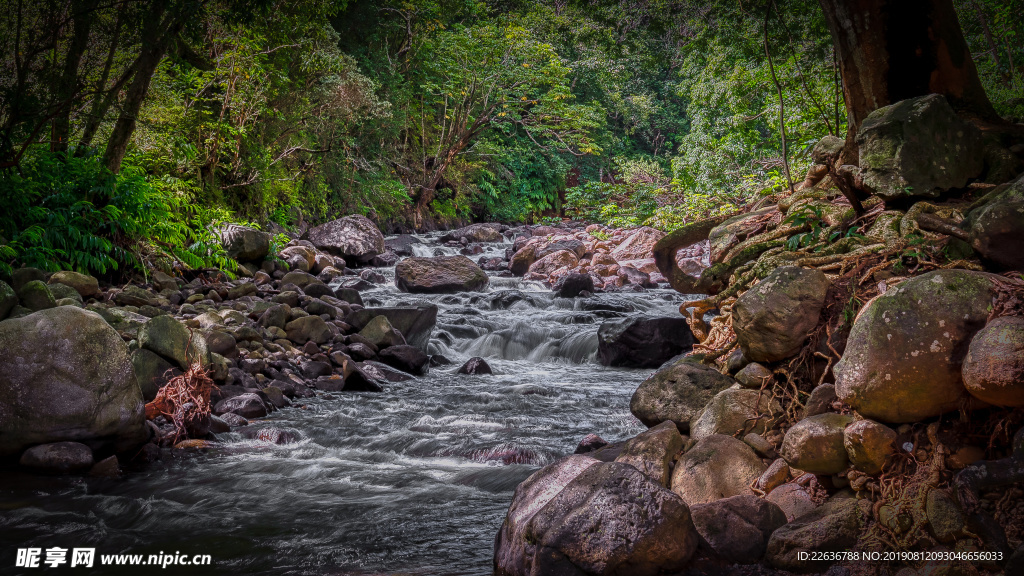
(152, 372)
(904, 354)
(381, 334)
(438, 275)
(415, 323)
(355, 238)
(736, 411)
(993, 370)
(643, 341)
(585, 517)
(85, 285)
(487, 232)
(677, 393)
(716, 467)
(554, 261)
(36, 296)
(737, 529)
(638, 245)
(918, 147)
(243, 243)
(653, 452)
(815, 444)
(58, 458)
(173, 340)
(833, 527)
(773, 319)
(67, 376)
(997, 228)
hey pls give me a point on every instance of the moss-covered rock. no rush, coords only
(173, 340)
(152, 372)
(815, 444)
(904, 354)
(85, 285)
(773, 319)
(8, 299)
(64, 292)
(381, 334)
(36, 296)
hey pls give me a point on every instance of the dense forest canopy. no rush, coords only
(129, 128)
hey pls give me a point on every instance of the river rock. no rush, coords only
(64, 292)
(381, 334)
(997, 229)
(486, 232)
(299, 278)
(243, 243)
(773, 319)
(415, 323)
(572, 284)
(152, 372)
(405, 358)
(174, 341)
(677, 393)
(868, 445)
(716, 467)
(58, 458)
(67, 376)
(833, 527)
(8, 299)
(85, 285)
(276, 316)
(733, 411)
(754, 376)
(523, 258)
(815, 444)
(22, 276)
(308, 329)
(643, 341)
(653, 452)
(554, 261)
(218, 342)
(299, 257)
(438, 275)
(638, 244)
(475, 365)
(737, 529)
(36, 296)
(248, 405)
(355, 238)
(581, 516)
(918, 147)
(993, 370)
(590, 443)
(904, 354)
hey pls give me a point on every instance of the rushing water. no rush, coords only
(414, 480)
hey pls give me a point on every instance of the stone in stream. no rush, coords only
(773, 319)
(653, 452)
(475, 365)
(815, 444)
(993, 370)
(571, 285)
(248, 405)
(581, 516)
(381, 334)
(678, 393)
(67, 376)
(590, 443)
(904, 355)
(716, 467)
(486, 232)
(406, 358)
(643, 341)
(737, 529)
(355, 238)
(439, 275)
(638, 245)
(415, 323)
(58, 458)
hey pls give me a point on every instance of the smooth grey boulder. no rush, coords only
(355, 238)
(243, 243)
(678, 393)
(439, 275)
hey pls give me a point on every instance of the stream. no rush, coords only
(414, 480)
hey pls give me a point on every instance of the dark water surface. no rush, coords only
(414, 480)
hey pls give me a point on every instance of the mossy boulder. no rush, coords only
(64, 292)
(996, 227)
(308, 329)
(243, 243)
(85, 285)
(173, 340)
(36, 296)
(67, 376)
(677, 393)
(773, 319)
(904, 354)
(918, 147)
(381, 334)
(152, 372)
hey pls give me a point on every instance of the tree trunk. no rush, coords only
(891, 50)
(83, 17)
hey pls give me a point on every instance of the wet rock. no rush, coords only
(736, 411)
(442, 274)
(571, 285)
(833, 527)
(638, 245)
(381, 334)
(581, 516)
(86, 286)
(993, 370)
(36, 296)
(543, 267)
(815, 444)
(67, 376)
(359, 379)
(276, 396)
(487, 232)
(354, 238)
(401, 244)
(173, 340)
(521, 261)
(300, 279)
(313, 370)
(904, 354)
(308, 329)
(643, 341)
(653, 452)
(590, 443)
(273, 435)
(575, 246)
(106, 468)
(475, 365)
(773, 319)
(678, 393)
(243, 243)
(248, 405)
(918, 147)
(415, 323)
(868, 445)
(754, 376)
(821, 400)
(406, 358)
(737, 529)
(716, 467)
(58, 458)
(219, 425)
(233, 420)
(152, 372)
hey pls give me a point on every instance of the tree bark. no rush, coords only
(891, 50)
(84, 14)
